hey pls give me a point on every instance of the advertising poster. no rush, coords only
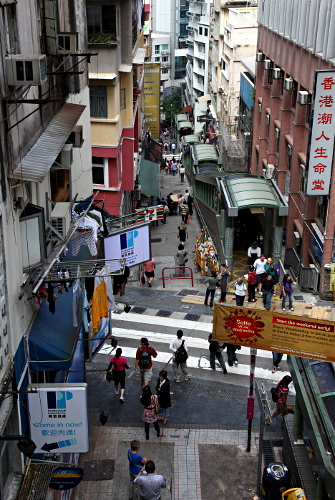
(58, 418)
(151, 87)
(286, 333)
(132, 245)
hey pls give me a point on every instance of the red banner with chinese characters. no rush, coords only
(305, 337)
(320, 155)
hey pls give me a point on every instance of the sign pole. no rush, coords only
(251, 395)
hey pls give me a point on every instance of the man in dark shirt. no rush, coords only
(268, 287)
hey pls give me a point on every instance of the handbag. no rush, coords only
(143, 279)
(113, 341)
(109, 376)
(158, 407)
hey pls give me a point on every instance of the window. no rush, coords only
(122, 98)
(32, 236)
(10, 28)
(322, 205)
(223, 64)
(201, 47)
(157, 59)
(98, 101)
(164, 71)
(165, 58)
(101, 19)
(165, 46)
(201, 79)
(206, 31)
(200, 30)
(289, 150)
(157, 49)
(100, 171)
(303, 179)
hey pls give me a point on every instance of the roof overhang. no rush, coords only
(204, 98)
(39, 160)
(102, 76)
(125, 68)
(139, 56)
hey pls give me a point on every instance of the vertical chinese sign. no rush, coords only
(152, 98)
(322, 135)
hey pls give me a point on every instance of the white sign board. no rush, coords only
(58, 418)
(322, 135)
(132, 245)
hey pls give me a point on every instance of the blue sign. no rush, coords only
(66, 478)
(100, 337)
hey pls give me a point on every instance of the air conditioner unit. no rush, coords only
(302, 171)
(259, 108)
(247, 136)
(260, 56)
(303, 97)
(67, 43)
(76, 136)
(65, 157)
(60, 217)
(277, 133)
(26, 70)
(264, 172)
(137, 192)
(288, 84)
(277, 73)
(289, 150)
(267, 119)
(296, 238)
(269, 171)
(267, 64)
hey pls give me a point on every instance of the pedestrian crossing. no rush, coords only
(130, 328)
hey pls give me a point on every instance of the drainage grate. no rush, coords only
(138, 310)
(267, 452)
(298, 297)
(98, 470)
(156, 240)
(164, 314)
(183, 293)
(309, 307)
(192, 317)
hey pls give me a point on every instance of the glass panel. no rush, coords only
(20, 71)
(29, 71)
(98, 176)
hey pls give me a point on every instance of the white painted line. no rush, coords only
(166, 338)
(178, 324)
(200, 362)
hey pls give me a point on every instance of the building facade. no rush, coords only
(289, 54)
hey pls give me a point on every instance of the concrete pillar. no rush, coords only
(229, 245)
(267, 231)
(277, 242)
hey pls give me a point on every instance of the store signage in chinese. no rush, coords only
(58, 418)
(278, 332)
(322, 135)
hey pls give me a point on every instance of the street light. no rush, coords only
(25, 444)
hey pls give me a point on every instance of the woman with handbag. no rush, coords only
(181, 258)
(118, 365)
(164, 398)
(150, 402)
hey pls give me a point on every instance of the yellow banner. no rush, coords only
(151, 85)
(305, 337)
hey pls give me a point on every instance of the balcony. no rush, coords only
(107, 61)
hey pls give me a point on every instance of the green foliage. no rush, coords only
(107, 38)
(172, 106)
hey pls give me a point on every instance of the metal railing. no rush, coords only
(308, 276)
(177, 277)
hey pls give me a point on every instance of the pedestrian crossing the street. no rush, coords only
(130, 328)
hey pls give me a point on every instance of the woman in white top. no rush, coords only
(241, 292)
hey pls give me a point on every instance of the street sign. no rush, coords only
(58, 418)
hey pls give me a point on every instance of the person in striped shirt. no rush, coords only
(282, 398)
(150, 483)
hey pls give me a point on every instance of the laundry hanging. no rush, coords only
(86, 234)
(99, 305)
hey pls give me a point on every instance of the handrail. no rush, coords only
(177, 277)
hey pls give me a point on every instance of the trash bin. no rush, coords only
(294, 494)
(275, 481)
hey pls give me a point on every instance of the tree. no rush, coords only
(171, 107)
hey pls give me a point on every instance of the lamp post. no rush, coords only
(171, 114)
(25, 444)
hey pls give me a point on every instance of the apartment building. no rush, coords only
(45, 161)
(161, 53)
(289, 55)
(115, 76)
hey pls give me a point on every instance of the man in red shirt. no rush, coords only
(149, 270)
(144, 362)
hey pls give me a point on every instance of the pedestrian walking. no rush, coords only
(231, 354)
(186, 195)
(241, 292)
(182, 172)
(211, 283)
(164, 398)
(215, 351)
(190, 204)
(224, 282)
(259, 266)
(166, 147)
(150, 484)
(149, 416)
(184, 212)
(170, 167)
(254, 252)
(166, 212)
(287, 291)
(180, 355)
(144, 355)
(276, 357)
(182, 233)
(149, 270)
(174, 168)
(251, 280)
(118, 365)
(282, 391)
(181, 258)
(270, 268)
(173, 147)
(169, 201)
(268, 288)
(136, 462)
(180, 202)
(180, 146)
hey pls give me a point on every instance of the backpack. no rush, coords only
(145, 358)
(274, 394)
(181, 354)
(251, 278)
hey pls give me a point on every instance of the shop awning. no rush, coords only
(181, 118)
(150, 178)
(37, 163)
(185, 124)
(139, 56)
(205, 152)
(204, 98)
(187, 109)
(52, 338)
(191, 139)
